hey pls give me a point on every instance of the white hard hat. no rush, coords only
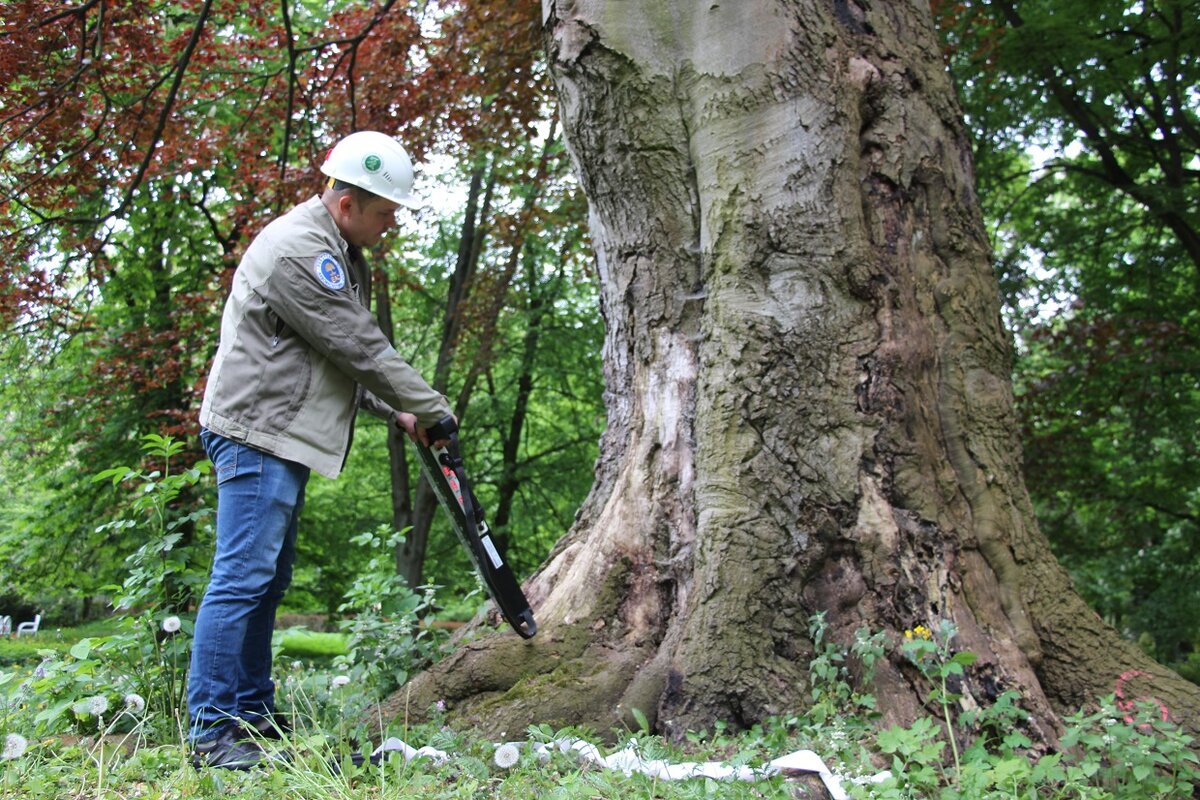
(375, 162)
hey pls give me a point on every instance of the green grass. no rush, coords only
(80, 749)
(27, 648)
(84, 769)
(18, 650)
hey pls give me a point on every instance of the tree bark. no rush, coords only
(808, 388)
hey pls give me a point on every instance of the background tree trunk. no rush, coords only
(809, 399)
(418, 516)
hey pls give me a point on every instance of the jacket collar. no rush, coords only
(320, 214)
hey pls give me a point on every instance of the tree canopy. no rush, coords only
(145, 144)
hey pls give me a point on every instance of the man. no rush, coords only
(299, 355)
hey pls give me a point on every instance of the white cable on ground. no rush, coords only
(629, 760)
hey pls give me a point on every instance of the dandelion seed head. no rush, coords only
(135, 702)
(340, 681)
(97, 705)
(506, 755)
(171, 624)
(14, 746)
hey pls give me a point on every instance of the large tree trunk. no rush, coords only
(808, 387)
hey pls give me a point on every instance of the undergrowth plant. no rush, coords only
(165, 572)
(131, 682)
(842, 714)
(151, 652)
(1106, 754)
(932, 652)
(389, 622)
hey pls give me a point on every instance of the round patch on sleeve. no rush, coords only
(330, 272)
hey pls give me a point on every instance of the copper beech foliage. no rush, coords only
(121, 116)
(102, 98)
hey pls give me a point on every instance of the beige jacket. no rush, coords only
(300, 352)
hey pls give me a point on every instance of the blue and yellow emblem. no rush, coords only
(330, 272)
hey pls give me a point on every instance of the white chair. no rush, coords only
(29, 627)
(5, 625)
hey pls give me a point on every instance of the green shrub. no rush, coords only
(387, 640)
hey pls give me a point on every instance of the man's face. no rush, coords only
(364, 224)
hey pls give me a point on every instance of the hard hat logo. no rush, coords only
(375, 162)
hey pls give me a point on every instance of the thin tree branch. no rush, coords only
(164, 115)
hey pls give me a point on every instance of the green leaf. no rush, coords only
(82, 649)
(115, 474)
(53, 711)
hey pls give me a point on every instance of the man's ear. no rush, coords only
(345, 204)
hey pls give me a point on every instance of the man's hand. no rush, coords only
(408, 423)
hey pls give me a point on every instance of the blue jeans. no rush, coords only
(259, 498)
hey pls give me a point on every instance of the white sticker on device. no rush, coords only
(493, 554)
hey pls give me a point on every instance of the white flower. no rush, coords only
(507, 754)
(340, 681)
(171, 624)
(135, 703)
(97, 705)
(14, 746)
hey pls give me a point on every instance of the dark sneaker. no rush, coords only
(275, 727)
(228, 751)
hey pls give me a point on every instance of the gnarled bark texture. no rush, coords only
(808, 387)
